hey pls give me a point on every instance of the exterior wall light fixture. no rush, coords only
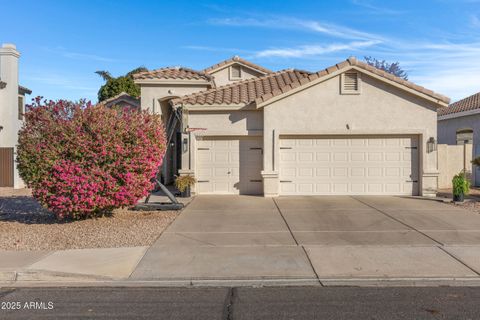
(431, 145)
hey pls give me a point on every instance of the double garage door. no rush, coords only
(372, 165)
(311, 165)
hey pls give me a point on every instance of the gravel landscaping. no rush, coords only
(471, 203)
(25, 225)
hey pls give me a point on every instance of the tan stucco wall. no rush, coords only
(379, 109)
(447, 132)
(447, 129)
(151, 94)
(453, 159)
(222, 76)
(219, 123)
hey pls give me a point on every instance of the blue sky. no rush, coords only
(64, 42)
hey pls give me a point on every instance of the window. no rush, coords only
(20, 108)
(465, 136)
(235, 72)
(350, 83)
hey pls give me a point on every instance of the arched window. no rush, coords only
(465, 136)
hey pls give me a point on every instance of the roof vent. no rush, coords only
(350, 83)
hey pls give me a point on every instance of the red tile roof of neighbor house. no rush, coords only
(264, 88)
(469, 103)
(122, 96)
(246, 91)
(24, 90)
(239, 60)
(173, 73)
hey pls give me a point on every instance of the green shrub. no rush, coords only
(82, 160)
(460, 184)
(183, 182)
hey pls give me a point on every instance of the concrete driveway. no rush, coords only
(316, 239)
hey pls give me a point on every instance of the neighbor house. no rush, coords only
(12, 105)
(122, 100)
(349, 129)
(459, 124)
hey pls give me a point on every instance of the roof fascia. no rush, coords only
(459, 114)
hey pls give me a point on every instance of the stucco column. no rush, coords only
(430, 173)
(270, 174)
(9, 120)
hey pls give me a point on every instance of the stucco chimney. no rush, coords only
(9, 65)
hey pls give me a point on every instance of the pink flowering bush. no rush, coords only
(83, 160)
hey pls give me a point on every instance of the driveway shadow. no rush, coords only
(25, 209)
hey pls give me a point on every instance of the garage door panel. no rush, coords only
(348, 165)
(357, 156)
(229, 165)
(322, 156)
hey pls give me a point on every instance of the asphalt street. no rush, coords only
(241, 303)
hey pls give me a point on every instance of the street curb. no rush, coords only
(32, 279)
(7, 276)
(402, 282)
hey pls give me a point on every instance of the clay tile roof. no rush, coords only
(469, 103)
(274, 84)
(240, 60)
(24, 90)
(173, 73)
(354, 62)
(246, 91)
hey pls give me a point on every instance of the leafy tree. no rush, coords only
(83, 160)
(114, 86)
(393, 68)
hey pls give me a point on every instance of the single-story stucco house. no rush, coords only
(348, 129)
(460, 124)
(12, 106)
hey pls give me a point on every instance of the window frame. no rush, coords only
(463, 131)
(20, 107)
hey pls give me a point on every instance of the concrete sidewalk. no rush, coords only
(239, 240)
(70, 265)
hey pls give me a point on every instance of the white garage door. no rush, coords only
(229, 165)
(344, 165)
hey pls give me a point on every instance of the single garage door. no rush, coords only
(229, 165)
(375, 165)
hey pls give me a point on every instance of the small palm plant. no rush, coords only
(460, 186)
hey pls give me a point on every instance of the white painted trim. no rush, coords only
(459, 114)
